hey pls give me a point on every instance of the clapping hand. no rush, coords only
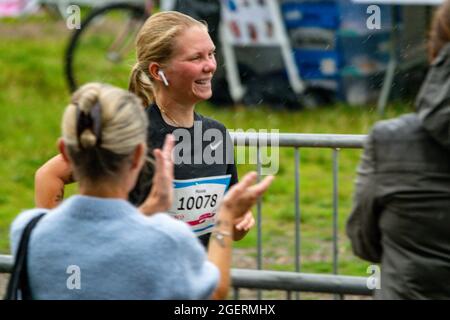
(161, 196)
(242, 196)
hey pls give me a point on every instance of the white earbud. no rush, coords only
(163, 77)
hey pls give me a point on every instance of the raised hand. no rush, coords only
(243, 195)
(161, 196)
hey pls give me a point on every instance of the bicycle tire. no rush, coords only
(138, 12)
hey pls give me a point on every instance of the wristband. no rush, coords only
(220, 236)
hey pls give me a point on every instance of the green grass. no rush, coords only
(33, 95)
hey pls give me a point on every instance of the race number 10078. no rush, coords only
(197, 202)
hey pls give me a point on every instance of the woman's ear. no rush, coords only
(63, 150)
(139, 156)
(153, 69)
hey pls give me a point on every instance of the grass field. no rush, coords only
(33, 95)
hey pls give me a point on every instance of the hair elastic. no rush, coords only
(91, 120)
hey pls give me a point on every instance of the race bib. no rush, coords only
(196, 201)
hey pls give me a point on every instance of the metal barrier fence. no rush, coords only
(275, 280)
(335, 142)
(279, 280)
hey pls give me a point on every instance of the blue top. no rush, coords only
(110, 250)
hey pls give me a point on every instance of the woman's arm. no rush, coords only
(49, 182)
(236, 204)
(219, 252)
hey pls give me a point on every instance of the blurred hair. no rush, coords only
(123, 126)
(440, 30)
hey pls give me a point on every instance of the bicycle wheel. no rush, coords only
(103, 48)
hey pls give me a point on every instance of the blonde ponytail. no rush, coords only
(141, 85)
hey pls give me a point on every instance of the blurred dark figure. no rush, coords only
(207, 10)
(401, 214)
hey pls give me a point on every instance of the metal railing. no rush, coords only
(290, 281)
(294, 282)
(6, 263)
(335, 142)
(275, 280)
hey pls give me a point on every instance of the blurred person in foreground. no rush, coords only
(121, 252)
(401, 214)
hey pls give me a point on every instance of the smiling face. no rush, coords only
(192, 66)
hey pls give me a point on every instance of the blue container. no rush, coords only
(317, 64)
(335, 40)
(311, 14)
